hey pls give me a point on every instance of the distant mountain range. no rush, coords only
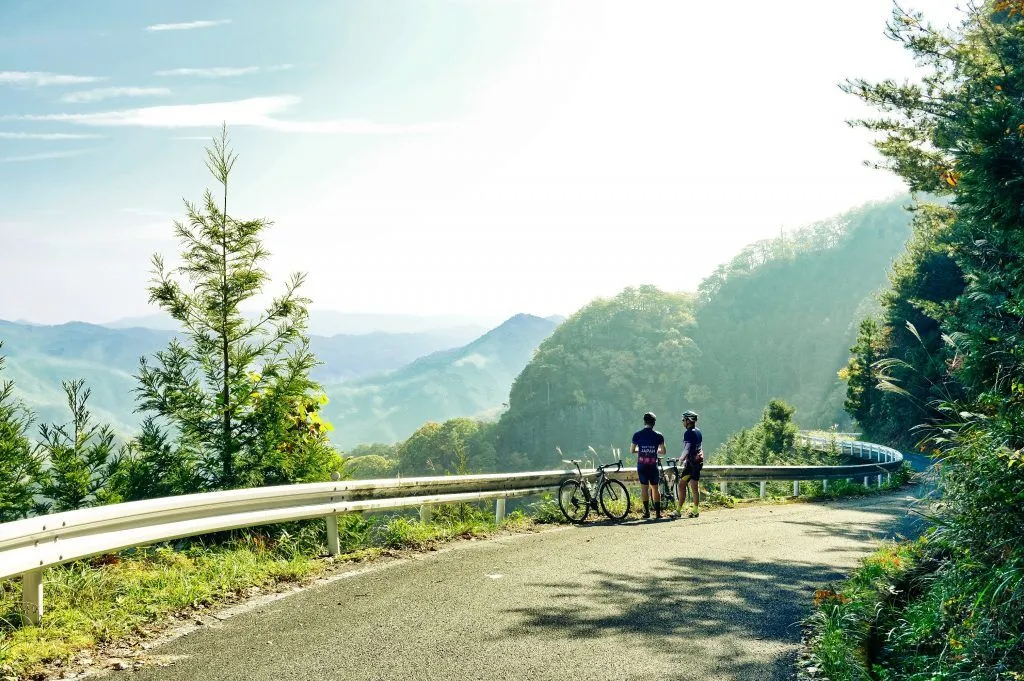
(420, 373)
(473, 380)
(332, 323)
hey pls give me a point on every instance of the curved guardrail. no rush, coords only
(28, 547)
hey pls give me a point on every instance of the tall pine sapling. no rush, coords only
(83, 456)
(20, 464)
(228, 387)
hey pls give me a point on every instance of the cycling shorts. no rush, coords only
(692, 470)
(648, 473)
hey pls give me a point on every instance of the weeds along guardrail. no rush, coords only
(28, 547)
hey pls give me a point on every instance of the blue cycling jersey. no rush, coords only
(647, 442)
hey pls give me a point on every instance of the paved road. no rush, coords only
(711, 598)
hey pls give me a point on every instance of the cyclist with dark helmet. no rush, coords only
(693, 460)
(648, 445)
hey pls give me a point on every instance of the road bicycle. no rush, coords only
(668, 478)
(577, 496)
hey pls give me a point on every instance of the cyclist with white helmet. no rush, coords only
(693, 460)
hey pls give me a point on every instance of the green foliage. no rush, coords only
(594, 377)
(909, 368)
(844, 628)
(778, 433)
(370, 467)
(773, 322)
(83, 457)
(772, 442)
(155, 465)
(458, 446)
(20, 464)
(236, 391)
(860, 373)
(960, 132)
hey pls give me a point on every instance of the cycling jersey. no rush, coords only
(647, 442)
(692, 444)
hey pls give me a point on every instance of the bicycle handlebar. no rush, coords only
(617, 464)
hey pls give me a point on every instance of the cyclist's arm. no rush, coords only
(661, 449)
(633, 449)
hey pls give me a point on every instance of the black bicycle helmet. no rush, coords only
(689, 414)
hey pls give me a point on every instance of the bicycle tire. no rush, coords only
(571, 498)
(668, 487)
(614, 491)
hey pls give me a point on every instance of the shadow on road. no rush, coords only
(735, 618)
(695, 610)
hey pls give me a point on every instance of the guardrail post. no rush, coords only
(866, 483)
(824, 485)
(424, 513)
(763, 485)
(723, 487)
(796, 488)
(499, 511)
(888, 478)
(879, 479)
(333, 542)
(32, 596)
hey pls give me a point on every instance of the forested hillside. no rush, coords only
(778, 320)
(775, 322)
(597, 373)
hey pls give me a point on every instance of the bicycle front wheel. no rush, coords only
(614, 499)
(573, 501)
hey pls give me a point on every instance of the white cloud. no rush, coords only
(42, 78)
(42, 157)
(212, 72)
(188, 25)
(45, 136)
(99, 94)
(255, 112)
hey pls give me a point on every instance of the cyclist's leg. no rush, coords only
(695, 493)
(644, 491)
(681, 490)
(656, 492)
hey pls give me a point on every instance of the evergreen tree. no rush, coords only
(153, 465)
(860, 373)
(20, 464)
(235, 390)
(778, 432)
(82, 456)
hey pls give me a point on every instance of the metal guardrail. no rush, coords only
(28, 547)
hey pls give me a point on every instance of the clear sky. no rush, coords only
(479, 157)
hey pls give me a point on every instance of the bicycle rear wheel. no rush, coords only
(614, 499)
(573, 501)
(668, 489)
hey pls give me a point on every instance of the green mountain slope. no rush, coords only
(777, 321)
(469, 381)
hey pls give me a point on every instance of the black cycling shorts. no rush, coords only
(648, 473)
(692, 470)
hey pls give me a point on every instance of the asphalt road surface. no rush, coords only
(715, 597)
